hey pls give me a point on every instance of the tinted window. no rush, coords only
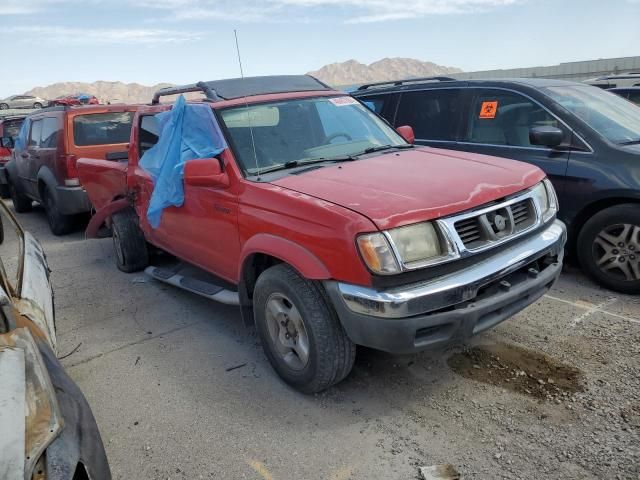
(635, 97)
(433, 114)
(149, 133)
(377, 103)
(498, 117)
(49, 135)
(102, 128)
(36, 131)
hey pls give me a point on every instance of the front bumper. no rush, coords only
(72, 200)
(458, 305)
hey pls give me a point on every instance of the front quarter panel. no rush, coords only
(325, 230)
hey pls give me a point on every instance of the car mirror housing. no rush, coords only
(407, 133)
(545, 136)
(205, 172)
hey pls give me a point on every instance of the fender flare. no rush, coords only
(294, 254)
(101, 215)
(46, 176)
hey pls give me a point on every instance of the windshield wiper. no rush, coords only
(380, 148)
(309, 161)
(630, 142)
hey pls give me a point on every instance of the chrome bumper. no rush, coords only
(456, 287)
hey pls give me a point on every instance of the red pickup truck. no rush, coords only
(330, 229)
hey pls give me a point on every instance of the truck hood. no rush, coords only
(409, 186)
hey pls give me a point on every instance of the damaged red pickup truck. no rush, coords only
(330, 229)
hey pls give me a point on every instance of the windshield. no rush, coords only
(613, 117)
(11, 128)
(271, 134)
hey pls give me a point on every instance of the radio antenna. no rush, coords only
(246, 104)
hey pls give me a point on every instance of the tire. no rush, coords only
(59, 223)
(4, 106)
(308, 314)
(608, 248)
(37, 105)
(129, 244)
(21, 203)
(4, 191)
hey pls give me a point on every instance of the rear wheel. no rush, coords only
(4, 106)
(59, 223)
(609, 248)
(21, 203)
(129, 243)
(37, 105)
(300, 332)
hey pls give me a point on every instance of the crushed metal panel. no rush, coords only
(36, 293)
(445, 471)
(12, 412)
(43, 419)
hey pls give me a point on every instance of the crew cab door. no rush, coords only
(498, 123)
(204, 230)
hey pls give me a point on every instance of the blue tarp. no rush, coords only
(22, 141)
(187, 132)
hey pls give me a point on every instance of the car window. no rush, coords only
(613, 117)
(36, 132)
(433, 114)
(11, 128)
(499, 117)
(634, 97)
(376, 103)
(274, 134)
(49, 134)
(102, 128)
(11, 248)
(149, 133)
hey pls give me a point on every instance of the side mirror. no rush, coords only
(407, 133)
(545, 136)
(205, 172)
(6, 142)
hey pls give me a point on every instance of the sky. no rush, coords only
(183, 41)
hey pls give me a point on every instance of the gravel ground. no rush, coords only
(552, 393)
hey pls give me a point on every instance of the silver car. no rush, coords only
(23, 101)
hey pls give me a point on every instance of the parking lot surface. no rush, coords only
(180, 389)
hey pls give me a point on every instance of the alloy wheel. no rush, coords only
(287, 331)
(616, 251)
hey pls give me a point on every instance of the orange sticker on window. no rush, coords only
(489, 109)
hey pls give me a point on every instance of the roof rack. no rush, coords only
(228, 89)
(209, 93)
(395, 83)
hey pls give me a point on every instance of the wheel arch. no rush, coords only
(263, 251)
(46, 179)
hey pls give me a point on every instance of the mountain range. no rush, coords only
(346, 73)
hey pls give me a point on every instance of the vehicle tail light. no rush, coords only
(69, 162)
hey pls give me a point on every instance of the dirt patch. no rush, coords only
(518, 369)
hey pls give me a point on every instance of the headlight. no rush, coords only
(546, 198)
(416, 242)
(404, 248)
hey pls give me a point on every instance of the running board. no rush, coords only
(199, 287)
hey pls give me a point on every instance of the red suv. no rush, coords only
(327, 227)
(43, 167)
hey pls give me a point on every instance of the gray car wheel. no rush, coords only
(4, 106)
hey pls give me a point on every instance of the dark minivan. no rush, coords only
(43, 166)
(587, 141)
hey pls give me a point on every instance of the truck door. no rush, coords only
(203, 231)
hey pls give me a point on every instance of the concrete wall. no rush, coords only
(576, 71)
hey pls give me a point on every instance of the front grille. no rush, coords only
(494, 225)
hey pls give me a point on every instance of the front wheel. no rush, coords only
(4, 106)
(37, 105)
(609, 248)
(300, 332)
(21, 203)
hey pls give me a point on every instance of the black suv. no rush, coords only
(587, 141)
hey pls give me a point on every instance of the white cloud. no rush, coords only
(99, 36)
(347, 11)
